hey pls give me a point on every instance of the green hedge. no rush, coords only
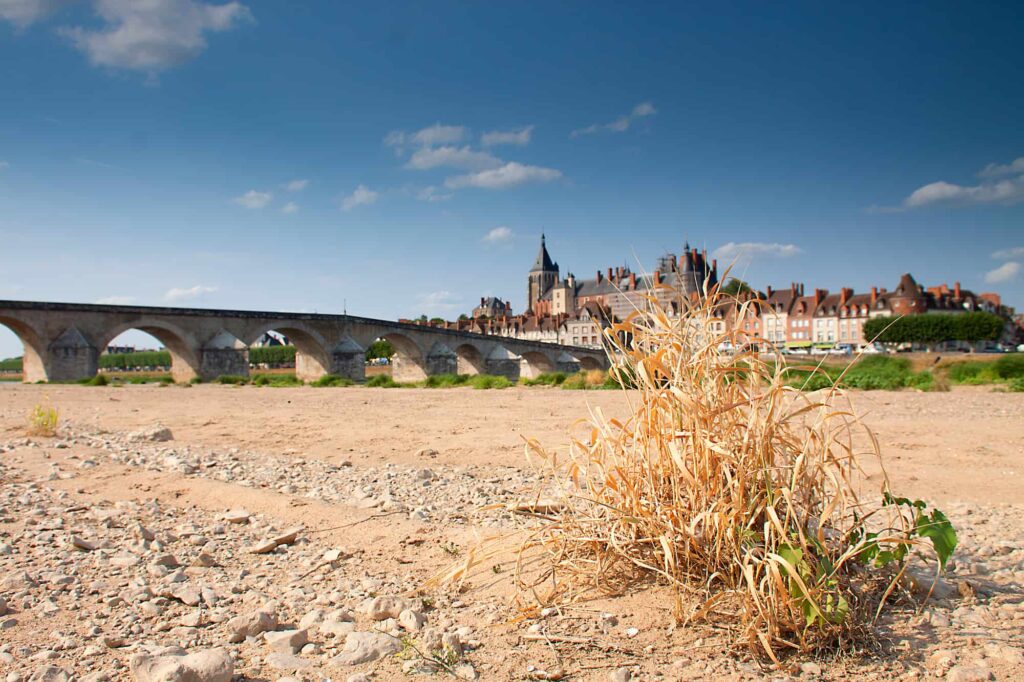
(146, 358)
(11, 365)
(934, 328)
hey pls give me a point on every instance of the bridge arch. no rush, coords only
(183, 351)
(33, 368)
(535, 363)
(588, 362)
(311, 356)
(408, 362)
(471, 360)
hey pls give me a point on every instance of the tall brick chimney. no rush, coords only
(609, 274)
(819, 294)
(956, 290)
(844, 295)
(598, 276)
(768, 290)
(874, 295)
(657, 276)
(632, 280)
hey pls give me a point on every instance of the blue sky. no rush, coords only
(403, 158)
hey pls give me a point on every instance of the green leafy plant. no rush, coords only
(231, 379)
(882, 549)
(329, 380)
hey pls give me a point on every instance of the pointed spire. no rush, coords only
(543, 262)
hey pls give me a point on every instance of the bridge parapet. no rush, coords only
(63, 342)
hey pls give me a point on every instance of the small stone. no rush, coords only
(176, 665)
(250, 625)
(363, 647)
(237, 516)
(632, 632)
(284, 661)
(82, 544)
(968, 673)
(154, 434)
(381, 608)
(620, 675)
(411, 620)
(810, 669)
(287, 641)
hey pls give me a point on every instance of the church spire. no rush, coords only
(543, 263)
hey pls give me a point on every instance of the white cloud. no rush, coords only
(1007, 254)
(457, 157)
(499, 235)
(432, 194)
(437, 302)
(511, 174)
(116, 300)
(153, 35)
(362, 195)
(746, 251)
(430, 136)
(518, 137)
(1004, 273)
(21, 13)
(994, 188)
(994, 170)
(254, 200)
(178, 294)
(290, 207)
(620, 124)
(296, 185)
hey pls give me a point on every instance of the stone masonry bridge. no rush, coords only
(63, 342)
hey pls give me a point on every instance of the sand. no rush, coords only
(410, 468)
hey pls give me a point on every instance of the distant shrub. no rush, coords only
(575, 382)
(547, 379)
(11, 365)
(330, 380)
(272, 355)
(195, 380)
(231, 379)
(486, 381)
(382, 381)
(1010, 366)
(1015, 385)
(973, 373)
(276, 380)
(445, 380)
(98, 380)
(166, 380)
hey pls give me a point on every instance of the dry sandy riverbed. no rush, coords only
(385, 486)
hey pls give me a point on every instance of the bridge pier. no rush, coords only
(503, 362)
(441, 360)
(70, 358)
(223, 355)
(567, 363)
(348, 359)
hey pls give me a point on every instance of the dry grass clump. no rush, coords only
(737, 491)
(42, 421)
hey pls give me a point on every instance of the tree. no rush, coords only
(437, 320)
(735, 287)
(463, 317)
(933, 328)
(380, 348)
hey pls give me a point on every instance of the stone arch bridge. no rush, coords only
(63, 342)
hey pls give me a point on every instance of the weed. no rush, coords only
(98, 380)
(725, 483)
(276, 380)
(42, 421)
(486, 381)
(547, 379)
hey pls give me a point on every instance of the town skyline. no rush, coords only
(377, 165)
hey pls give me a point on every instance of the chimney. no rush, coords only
(844, 295)
(874, 295)
(768, 290)
(609, 274)
(819, 294)
(632, 280)
(598, 276)
(657, 277)
(481, 301)
(714, 266)
(956, 289)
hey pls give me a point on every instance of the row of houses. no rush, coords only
(794, 318)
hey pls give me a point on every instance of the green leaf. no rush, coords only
(940, 531)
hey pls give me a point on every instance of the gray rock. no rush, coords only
(50, 673)
(382, 608)
(411, 620)
(363, 647)
(250, 625)
(154, 434)
(620, 675)
(287, 641)
(175, 665)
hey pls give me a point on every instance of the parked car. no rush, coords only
(841, 349)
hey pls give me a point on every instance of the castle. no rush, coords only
(618, 290)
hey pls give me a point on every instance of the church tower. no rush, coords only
(543, 276)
